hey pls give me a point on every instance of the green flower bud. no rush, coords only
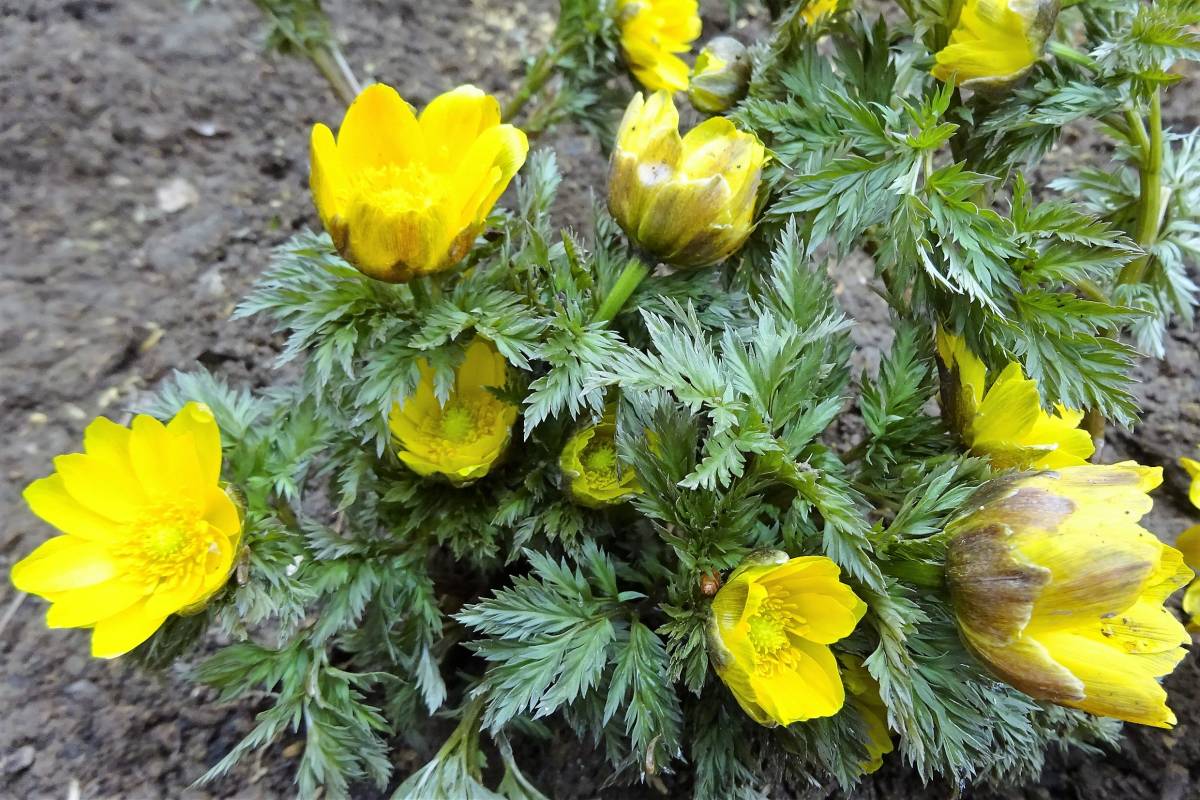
(721, 75)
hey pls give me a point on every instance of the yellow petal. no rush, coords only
(453, 121)
(482, 366)
(1188, 543)
(1193, 470)
(396, 244)
(117, 635)
(326, 177)
(106, 440)
(163, 468)
(196, 420)
(807, 688)
(62, 564)
(49, 499)
(485, 168)
(221, 512)
(379, 129)
(101, 486)
(82, 607)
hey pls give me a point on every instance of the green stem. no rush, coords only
(535, 78)
(1150, 206)
(1064, 52)
(918, 573)
(633, 274)
(330, 62)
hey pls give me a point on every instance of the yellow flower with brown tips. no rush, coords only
(1005, 421)
(769, 635)
(404, 196)
(864, 697)
(463, 438)
(690, 200)
(594, 474)
(148, 531)
(653, 33)
(993, 43)
(1060, 592)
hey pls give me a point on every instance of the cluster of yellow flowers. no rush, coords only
(1056, 586)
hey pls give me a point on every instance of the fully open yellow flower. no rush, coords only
(148, 530)
(595, 476)
(463, 438)
(1189, 544)
(652, 33)
(403, 196)
(772, 624)
(1006, 422)
(864, 697)
(993, 43)
(688, 200)
(1059, 590)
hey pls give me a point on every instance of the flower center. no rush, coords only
(399, 188)
(165, 541)
(462, 422)
(769, 633)
(600, 463)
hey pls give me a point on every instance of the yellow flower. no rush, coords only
(652, 32)
(993, 43)
(595, 477)
(772, 624)
(688, 201)
(721, 75)
(1189, 544)
(1006, 422)
(1060, 591)
(403, 196)
(864, 696)
(148, 530)
(463, 438)
(816, 9)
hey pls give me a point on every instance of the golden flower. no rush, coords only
(993, 43)
(1006, 422)
(463, 438)
(864, 696)
(1189, 544)
(403, 196)
(148, 530)
(721, 75)
(1060, 591)
(595, 476)
(817, 9)
(652, 33)
(769, 636)
(688, 201)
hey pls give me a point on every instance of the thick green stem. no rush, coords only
(535, 78)
(1064, 52)
(631, 277)
(1151, 205)
(330, 62)
(918, 573)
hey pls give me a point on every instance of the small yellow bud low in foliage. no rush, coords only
(1005, 421)
(721, 75)
(464, 438)
(1060, 592)
(688, 201)
(404, 196)
(1189, 544)
(653, 33)
(993, 43)
(772, 624)
(864, 697)
(148, 530)
(595, 477)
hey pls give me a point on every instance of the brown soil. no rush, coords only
(149, 160)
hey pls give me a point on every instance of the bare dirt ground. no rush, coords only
(150, 158)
